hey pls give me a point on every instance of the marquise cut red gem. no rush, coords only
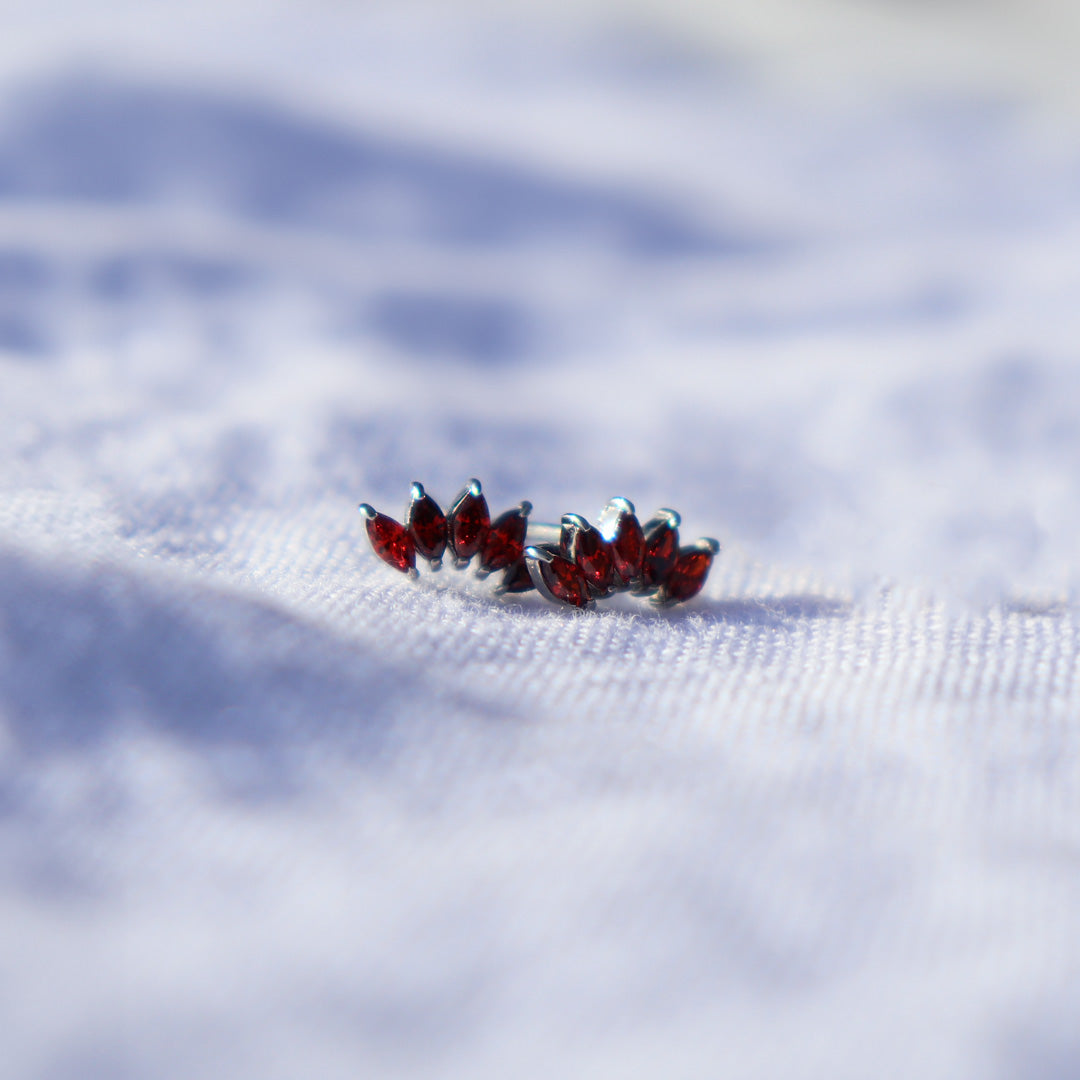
(592, 555)
(687, 576)
(391, 542)
(661, 547)
(505, 541)
(468, 523)
(628, 548)
(427, 527)
(565, 581)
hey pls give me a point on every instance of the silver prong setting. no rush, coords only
(610, 516)
(533, 557)
(539, 554)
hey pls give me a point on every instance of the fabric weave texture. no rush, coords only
(269, 809)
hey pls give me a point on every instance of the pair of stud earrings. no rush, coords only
(572, 563)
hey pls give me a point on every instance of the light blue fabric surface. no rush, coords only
(269, 810)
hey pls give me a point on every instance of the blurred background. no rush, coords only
(804, 269)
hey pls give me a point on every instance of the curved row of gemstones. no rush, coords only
(576, 565)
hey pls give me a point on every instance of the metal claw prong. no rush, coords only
(534, 556)
(621, 503)
(367, 510)
(615, 511)
(571, 524)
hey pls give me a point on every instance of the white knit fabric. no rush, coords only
(269, 810)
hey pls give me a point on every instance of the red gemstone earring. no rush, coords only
(573, 563)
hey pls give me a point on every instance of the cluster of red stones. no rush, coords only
(466, 531)
(591, 562)
(579, 565)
